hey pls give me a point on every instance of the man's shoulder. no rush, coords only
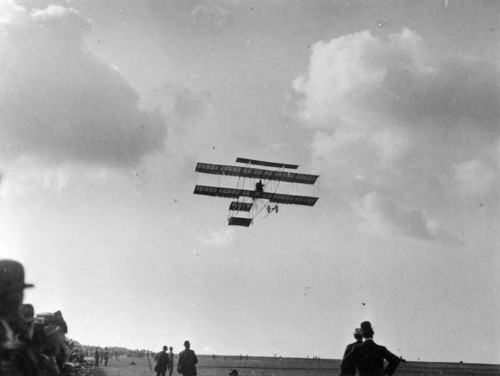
(364, 345)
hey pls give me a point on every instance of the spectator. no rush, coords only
(368, 357)
(16, 357)
(161, 362)
(350, 369)
(106, 356)
(97, 356)
(170, 361)
(187, 361)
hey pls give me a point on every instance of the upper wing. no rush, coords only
(248, 172)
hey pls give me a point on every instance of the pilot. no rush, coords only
(259, 187)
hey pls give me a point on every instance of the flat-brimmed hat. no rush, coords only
(12, 276)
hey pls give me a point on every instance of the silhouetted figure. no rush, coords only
(106, 356)
(187, 361)
(161, 362)
(170, 360)
(233, 373)
(17, 357)
(350, 369)
(259, 188)
(368, 357)
(97, 356)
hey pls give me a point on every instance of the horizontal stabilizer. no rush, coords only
(238, 221)
(278, 198)
(240, 206)
(267, 164)
(255, 173)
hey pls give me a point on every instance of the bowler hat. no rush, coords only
(12, 275)
(366, 326)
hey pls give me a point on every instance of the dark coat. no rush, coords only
(348, 369)
(161, 362)
(187, 363)
(368, 358)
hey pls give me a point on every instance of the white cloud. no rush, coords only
(389, 118)
(381, 215)
(209, 15)
(27, 178)
(60, 102)
(220, 238)
(475, 177)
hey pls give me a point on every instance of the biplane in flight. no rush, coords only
(263, 194)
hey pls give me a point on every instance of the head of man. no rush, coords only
(165, 348)
(366, 329)
(170, 348)
(357, 334)
(187, 345)
(12, 285)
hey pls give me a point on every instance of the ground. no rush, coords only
(270, 366)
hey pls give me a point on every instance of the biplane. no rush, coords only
(256, 189)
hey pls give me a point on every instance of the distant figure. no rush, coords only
(350, 369)
(170, 361)
(161, 362)
(97, 356)
(187, 361)
(106, 356)
(368, 357)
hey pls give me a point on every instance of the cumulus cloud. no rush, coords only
(60, 102)
(390, 122)
(475, 177)
(181, 105)
(382, 216)
(211, 15)
(219, 238)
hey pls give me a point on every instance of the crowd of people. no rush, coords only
(30, 345)
(36, 345)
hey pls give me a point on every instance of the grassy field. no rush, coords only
(268, 366)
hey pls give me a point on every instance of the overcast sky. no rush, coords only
(107, 106)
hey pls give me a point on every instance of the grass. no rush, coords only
(268, 366)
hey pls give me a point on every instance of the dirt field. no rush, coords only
(262, 366)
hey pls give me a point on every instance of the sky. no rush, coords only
(107, 106)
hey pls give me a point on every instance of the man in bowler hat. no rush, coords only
(368, 357)
(349, 369)
(16, 357)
